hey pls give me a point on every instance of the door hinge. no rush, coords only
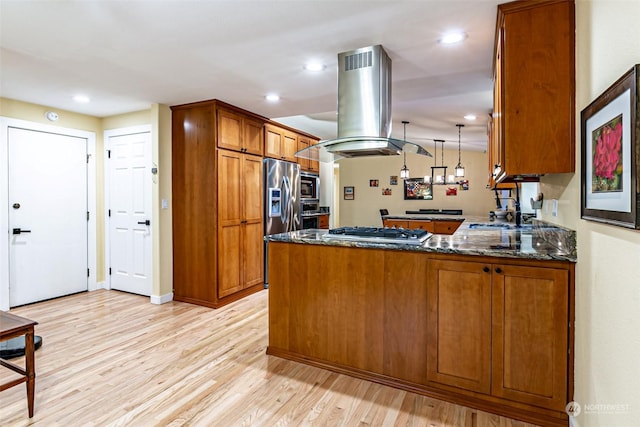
(109, 271)
(88, 156)
(108, 154)
(87, 215)
(109, 212)
(88, 273)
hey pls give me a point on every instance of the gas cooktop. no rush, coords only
(379, 235)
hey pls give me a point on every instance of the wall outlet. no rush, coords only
(554, 207)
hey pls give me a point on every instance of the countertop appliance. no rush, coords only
(379, 235)
(281, 201)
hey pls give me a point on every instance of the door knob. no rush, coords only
(145, 222)
(20, 231)
(16, 206)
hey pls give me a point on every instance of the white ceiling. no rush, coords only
(126, 55)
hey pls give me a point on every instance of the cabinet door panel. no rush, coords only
(229, 190)
(422, 225)
(253, 136)
(253, 244)
(459, 325)
(229, 260)
(252, 188)
(289, 146)
(229, 130)
(273, 142)
(253, 254)
(302, 144)
(314, 163)
(530, 344)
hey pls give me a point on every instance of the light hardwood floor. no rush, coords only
(113, 359)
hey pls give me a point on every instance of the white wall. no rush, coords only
(607, 345)
(364, 209)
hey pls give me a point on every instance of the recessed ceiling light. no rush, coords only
(453, 37)
(81, 98)
(314, 66)
(470, 117)
(272, 97)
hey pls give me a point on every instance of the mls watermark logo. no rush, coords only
(573, 409)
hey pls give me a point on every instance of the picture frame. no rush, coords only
(393, 180)
(610, 151)
(349, 193)
(417, 189)
(374, 183)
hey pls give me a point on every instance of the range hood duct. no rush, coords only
(364, 109)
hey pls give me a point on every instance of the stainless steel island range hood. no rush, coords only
(364, 109)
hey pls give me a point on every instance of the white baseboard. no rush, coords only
(161, 299)
(99, 285)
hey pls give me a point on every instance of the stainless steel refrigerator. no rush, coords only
(281, 201)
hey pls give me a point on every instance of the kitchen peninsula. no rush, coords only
(481, 318)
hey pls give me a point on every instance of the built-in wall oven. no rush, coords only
(309, 208)
(309, 186)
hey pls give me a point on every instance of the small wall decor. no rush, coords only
(464, 185)
(417, 189)
(452, 191)
(393, 180)
(349, 193)
(610, 151)
(386, 191)
(373, 183)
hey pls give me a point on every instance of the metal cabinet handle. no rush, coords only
(146, 222)
(498, 270)
(20, 231)
(486, 269)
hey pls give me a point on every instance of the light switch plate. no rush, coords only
(165, 204)
(554, 207)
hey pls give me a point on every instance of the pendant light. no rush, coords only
(459, 171)
(404, 172)
(439, 179)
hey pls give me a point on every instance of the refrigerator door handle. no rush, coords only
(286, 204)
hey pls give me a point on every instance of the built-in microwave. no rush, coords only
(309, 186)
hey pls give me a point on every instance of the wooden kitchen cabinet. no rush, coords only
(534, 90)
(459, 325)
(323, 221)
(239, 132)
(445, 227)
(311, 164)
(280, 143)
(240, 228)
(500, 329)
(530, 312)
(485, 332)
(207, 220)
(421, 225)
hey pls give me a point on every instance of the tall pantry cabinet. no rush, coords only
(217, 203)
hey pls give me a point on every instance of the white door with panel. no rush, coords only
(48, 215)
(129, 260)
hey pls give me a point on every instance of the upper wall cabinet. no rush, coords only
(534, 94)
(239, 132)
(280, 143)
(308, 164)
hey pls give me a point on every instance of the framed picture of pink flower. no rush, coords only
(610, 154)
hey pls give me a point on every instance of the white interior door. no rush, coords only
(130, 180)
(47, 189)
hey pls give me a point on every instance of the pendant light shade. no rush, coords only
(404, 172)
(459, 170)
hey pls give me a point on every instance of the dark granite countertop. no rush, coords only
(539, 240)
